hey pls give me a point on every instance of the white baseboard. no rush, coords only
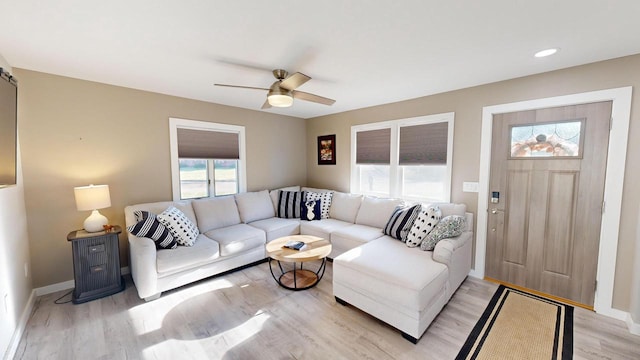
(22, 325)
(476, 274)
(66, 285)
(49, 289)
(633, 326)
(614, 313)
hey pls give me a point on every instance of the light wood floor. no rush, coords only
(245, 315)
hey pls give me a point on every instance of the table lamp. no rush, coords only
(93, 197)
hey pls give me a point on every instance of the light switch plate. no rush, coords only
(470, 187)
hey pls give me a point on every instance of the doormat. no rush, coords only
(519, 325)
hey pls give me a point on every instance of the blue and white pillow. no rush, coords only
(148, 226)
(289, 204)
(401, 221)
(310, 210)
(183, 230)
(325, 199)
(425, 222)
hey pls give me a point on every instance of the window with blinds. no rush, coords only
(407, 158)
(209, 159)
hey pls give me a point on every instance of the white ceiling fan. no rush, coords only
(282, 91)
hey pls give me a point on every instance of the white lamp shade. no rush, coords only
(92, 197)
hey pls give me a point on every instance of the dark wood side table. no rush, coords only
(96, 264)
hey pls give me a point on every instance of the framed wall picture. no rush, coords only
(327, 150)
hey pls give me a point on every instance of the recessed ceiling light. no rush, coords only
(546, 52)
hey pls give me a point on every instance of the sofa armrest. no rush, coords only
(143, 265)
(445, 248)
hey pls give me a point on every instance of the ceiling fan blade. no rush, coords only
(242, 87)
(293, 81)
(313, 98)
(266, 105)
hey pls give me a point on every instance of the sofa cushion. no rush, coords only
(203, 251)
(370, 269)
(277, 227)
(345, 206)
(238, 238)
(401, 221)
(186, 208)
(273, 194)
(450, 226)
(255, 206)
(325, 201)
(214, 213)
(289, 204)
(424, 223)
(179, 225)
(354, 235)
(148, 226)
(376, 211)
(452, 209)
(322, 228)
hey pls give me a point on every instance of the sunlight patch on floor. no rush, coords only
(148, 316)
(221, 343)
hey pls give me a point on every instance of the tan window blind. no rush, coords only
(373, 147)
(202, 144)
(424, 144)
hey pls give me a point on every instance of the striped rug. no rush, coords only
(519, 325)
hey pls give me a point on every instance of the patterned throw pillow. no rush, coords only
(310, 210)
(148, 226)
(289, 204)
(401, 221)
(450, 226)
(425, 222)
(179, 225)
(324, 197)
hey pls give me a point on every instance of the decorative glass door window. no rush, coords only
(544, 140)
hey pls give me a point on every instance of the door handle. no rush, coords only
(495, 211)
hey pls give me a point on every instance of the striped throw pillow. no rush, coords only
(401, 221)
(289, 203)
(148, 226)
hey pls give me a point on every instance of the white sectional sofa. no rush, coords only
(234, 231)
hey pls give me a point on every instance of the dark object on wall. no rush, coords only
(8, 128)
(327, 150)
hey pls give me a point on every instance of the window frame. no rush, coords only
(395, 169)
(176, 123)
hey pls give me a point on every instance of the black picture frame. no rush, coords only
(327, 150)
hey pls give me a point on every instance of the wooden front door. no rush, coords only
(546, 198)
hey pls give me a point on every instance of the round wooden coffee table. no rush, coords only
(298, 278)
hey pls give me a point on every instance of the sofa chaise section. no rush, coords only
(404, 287)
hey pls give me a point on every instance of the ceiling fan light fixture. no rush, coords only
(279, 97)
(279, 100)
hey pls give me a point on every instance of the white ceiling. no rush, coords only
(361, 53)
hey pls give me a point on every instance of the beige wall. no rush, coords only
(76, 132)
(15, 285)
(467, 105)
